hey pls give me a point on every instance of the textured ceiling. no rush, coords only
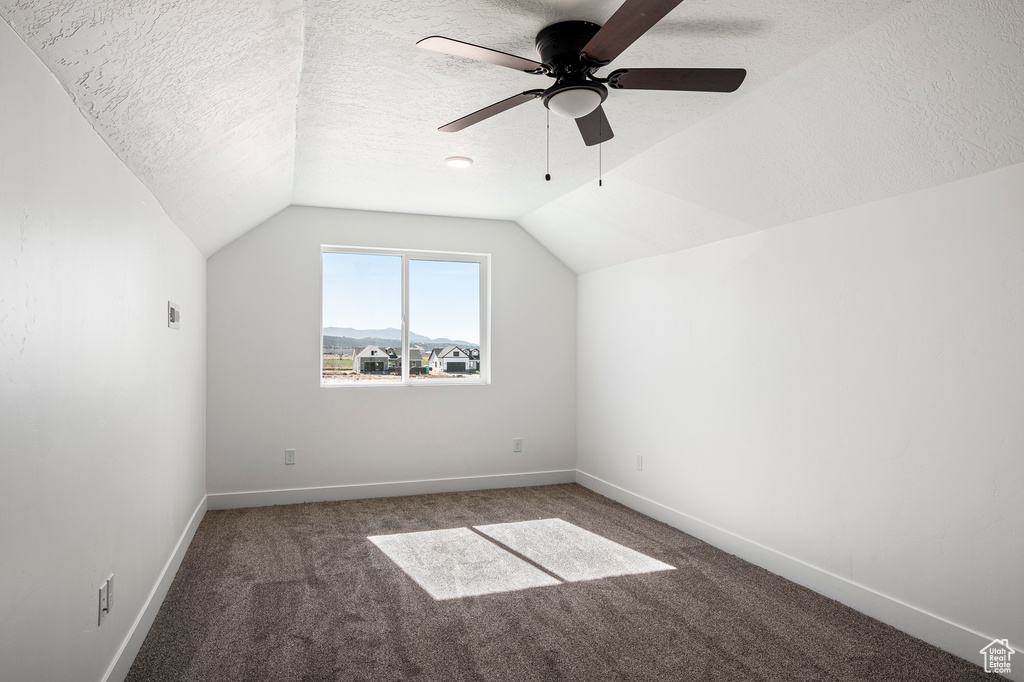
(371, 101)
(229, 111)
(197, 97)
(933, 94)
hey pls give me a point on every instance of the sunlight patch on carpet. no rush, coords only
(570, 552)
(457, 562)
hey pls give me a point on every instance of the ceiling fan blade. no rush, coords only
(481, 54)
(594, 127)
(695, 80)
(487, 112)
(633, 19)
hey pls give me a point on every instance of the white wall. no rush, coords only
(264, 363)
(845, 392)
(102, 407)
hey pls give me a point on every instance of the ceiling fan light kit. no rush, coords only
(571, 52)
(575, 100)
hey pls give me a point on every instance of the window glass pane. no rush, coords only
(444, 319)
(362, 318)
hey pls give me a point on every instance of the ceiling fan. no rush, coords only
(571, 52)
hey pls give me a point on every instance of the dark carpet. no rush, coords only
(298, 593)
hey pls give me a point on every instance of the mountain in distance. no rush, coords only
(348, 337)
(389, 333)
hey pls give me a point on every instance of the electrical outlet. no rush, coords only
(639, 462)
(289, 456)
(517, 445)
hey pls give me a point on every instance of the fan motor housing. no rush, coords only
(559, 46)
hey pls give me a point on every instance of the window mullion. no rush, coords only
(405, 318)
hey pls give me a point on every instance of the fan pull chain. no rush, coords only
(600, 152)
(547, 174)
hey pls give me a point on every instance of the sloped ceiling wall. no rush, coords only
(932, 94)
(230, 111)
(197, 97)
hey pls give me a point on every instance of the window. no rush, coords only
(403, 317)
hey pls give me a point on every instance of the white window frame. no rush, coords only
(484, 259)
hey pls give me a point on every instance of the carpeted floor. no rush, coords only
(299, 593)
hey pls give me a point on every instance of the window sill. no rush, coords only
(428, 382)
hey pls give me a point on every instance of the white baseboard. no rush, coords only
(264, 498)
(946, 635)
(125, 656)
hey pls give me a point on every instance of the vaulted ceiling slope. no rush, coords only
(197, 97)
(932, 94)
(230, 111)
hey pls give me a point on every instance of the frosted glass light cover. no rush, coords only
(574, 103)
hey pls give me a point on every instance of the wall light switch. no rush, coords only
(639, 462)
(173, 315)
(289, 456)
(517, 445)
(104, 606)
